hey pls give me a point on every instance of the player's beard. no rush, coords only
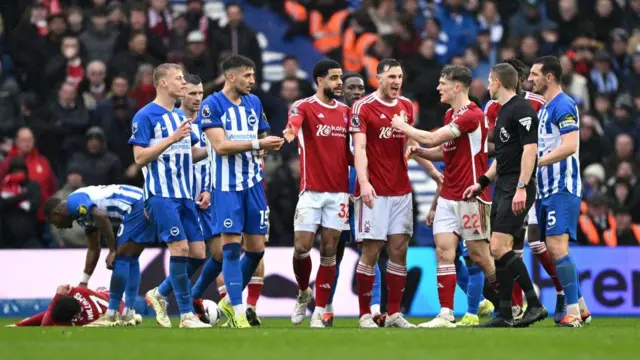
(329, 93)
(540, 90)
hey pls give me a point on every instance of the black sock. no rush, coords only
(505, 287)
(518, 270)
(489, 292)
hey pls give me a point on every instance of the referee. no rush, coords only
(515, 139)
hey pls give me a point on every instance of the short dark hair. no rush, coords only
(64, 309)
(507, 75)
(458, 73)
(50, 205)
(550, 65)
(290, 57)
(237, 61)
(520, 67)
(386, 64)
(233, 3)
(192, 79)
(322, 67)
(350, 75)
(138, 7)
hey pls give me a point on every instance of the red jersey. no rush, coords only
(493, 107)
(388, 169)
(93, 304)
(322, 143)
(466, 157)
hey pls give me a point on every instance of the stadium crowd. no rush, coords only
(73, 73)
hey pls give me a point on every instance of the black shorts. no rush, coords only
(503, 220)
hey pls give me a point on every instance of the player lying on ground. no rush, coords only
(559, 184)
(353, 89)
(538, 248)
(462, 144)
(233, 121)
(73, 306)
(320, 122)
(96, 209)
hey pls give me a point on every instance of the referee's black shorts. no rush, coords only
(503, 220)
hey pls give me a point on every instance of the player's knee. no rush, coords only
(179, 248)
(498, 249)
(301, 248)
(445, 255)
(328, 249)
(558, 246)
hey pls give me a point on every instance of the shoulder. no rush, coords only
(302, 103)
(536, 100)
(253, 100)
(144, 112)
(564, 104)
(363, 103)
(342, 105)
(405, 101)
(491, 106)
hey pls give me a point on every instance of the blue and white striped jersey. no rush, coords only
(240, 123)
(558, 117)
(201, 169)
(171, 175)
(116, 200)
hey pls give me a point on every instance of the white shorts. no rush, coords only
(390, 215)
(532, 217)
(467, 219)
(331, 210)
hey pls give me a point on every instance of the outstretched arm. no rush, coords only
(429, 139)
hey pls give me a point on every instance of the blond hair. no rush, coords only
(161, 71)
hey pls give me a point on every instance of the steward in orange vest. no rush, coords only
(595, 220)
(626, 234)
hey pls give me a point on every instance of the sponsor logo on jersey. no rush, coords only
(526, 122)
(331, 130)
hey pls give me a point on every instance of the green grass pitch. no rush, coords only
(605, 339)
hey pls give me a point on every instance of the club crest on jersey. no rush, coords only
(82, 210)
(174, 231)
(252, 119)
(228, 223)
(206, 112)
(344, 116)
(504, 135)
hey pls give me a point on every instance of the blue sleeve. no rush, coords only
(263, 124)
(565, 117)
(194, 138)
(79, 206)
(210, 114)
(141, 131)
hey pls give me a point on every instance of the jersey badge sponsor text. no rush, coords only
(206, 112)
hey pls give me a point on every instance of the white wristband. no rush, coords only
(85, 278)
(255, 144)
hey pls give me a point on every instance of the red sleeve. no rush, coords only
(47, 320)
(468, 121)
(35, 320)
(491, 113)
(296, 116)
(358, 122)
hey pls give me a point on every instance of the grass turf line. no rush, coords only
(607, 338)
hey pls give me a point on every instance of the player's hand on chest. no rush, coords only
(381, 125)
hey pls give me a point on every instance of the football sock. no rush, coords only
(248, 265)
(474, 289)
(377, 286)
(210, 272)
(254, 289)
(567, 275)
(165, 288)
(35, 320)
(119, 277)
(324, 279)
(462, 274)
(335, 281)
(505, 288)
(490, 290)
(364, 278)
(517, 296)
(222, 290)
(302, 269)
(518, 271)
(232, 272)
(133, 283)
(180, 283)
(446, 277)
(396, 278)
(539, 249)
(193, 265)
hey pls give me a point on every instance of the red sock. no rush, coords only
(364, 278)
(222, 290)
(324, 280)
(35, 320)
(395, 278)
(254, 289)
(446, 277)
(540, 251)
(302, 269)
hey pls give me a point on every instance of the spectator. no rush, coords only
(160, 19)
(75, 21)
(480, 68)
(574, 84)
(98, 41)
(571, 23)
(57, 29)
(633, 79)
(406, 37)
(282, 195)
(619, 193)
(602, 75)
(9, 105)
(487, 50)
(632, 15)
(118, 131)
(624, 121)
(607, 17)
(106, 111)
(626, 173)
(593, 148)
(38, 168)
(594, 178)
(98, 165)
(199, 60)
(197, 20)
(382, 14)
(144, 92)
(479, 91)
(70, 119)
(291, 70)
(66, 66)
(116, 15)
(603, 109)
(549, 39)
(620, 60)
(489, 19)
(179, 32)
(74, 237)
(433, 30)
(624, 151)
(595, 221)
(290, 91)
(127, 62)
(627, 233)
(530, 20)
(422, 76)
(93, 89)
(238, 38)
(458, 24)
(529, 50)
(138, 24)
(19, 201)
(26, 47)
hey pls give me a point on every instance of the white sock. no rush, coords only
(583, 305)
(239, 309)
(446, 313)
(561, 292)
(329, 308)
(183, 316)
(111, 312)
(227, 300)
(574, 310)
(375, 309)
(319, 309)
